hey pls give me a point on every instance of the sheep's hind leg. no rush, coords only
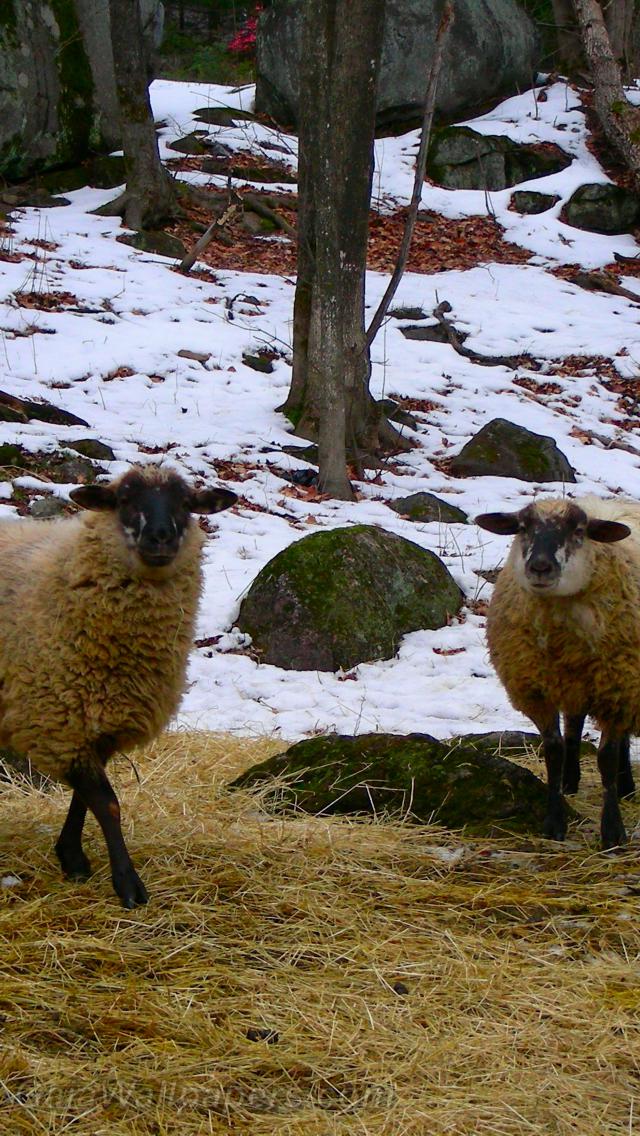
(609, 758)
(573, 725)
(94, 788)
(73, 861)
(626, 784)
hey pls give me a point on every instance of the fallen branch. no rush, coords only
(453, 337)
(600, 282)
(446, 20)
(188, 261)
(263, 210)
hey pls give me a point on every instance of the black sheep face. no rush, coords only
(153, 509)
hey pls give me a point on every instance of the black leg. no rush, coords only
(573, 725)
(611, 826)
(555, 822)
(626, 784)
(75, 864)
(94, 788)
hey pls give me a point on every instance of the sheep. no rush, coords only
(97, 616)
(563, 631)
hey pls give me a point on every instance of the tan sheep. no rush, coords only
(97, 614)
(564, 636)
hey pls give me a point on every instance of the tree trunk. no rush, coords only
(329, 397)
(150, 197)
(619, 119)
(570, 54)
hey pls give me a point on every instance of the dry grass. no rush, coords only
(518, 1009)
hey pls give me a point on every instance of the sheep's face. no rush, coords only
(551, 554)
(153, 513)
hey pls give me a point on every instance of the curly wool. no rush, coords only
(92, 644)
(572, 652)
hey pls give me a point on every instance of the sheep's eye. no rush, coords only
(580, 530)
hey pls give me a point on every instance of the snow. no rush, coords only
(134, 312)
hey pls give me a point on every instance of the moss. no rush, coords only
(466, 782)
(8, 22)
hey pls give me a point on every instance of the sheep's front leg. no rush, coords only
(555, 822)
(73, 861)
(573, 726)
(609, 757)
(93, 787)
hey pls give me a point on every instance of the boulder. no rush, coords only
(57, 90)
(155, 241)
(502, 449)
(427, 507)
(492, 49)
(343, 597)
(471, 782)
(602, 209)
(529, 201)
(460, 158)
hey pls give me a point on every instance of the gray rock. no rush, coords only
(407, 313)
(502, 449)
(429, 333)
(395, 413)
(57, 90)
(602, 209)
(343, 597)
(460, 158)
(189, 144)
(468, 782)
(492, 49)
(427, 507)
(156, 241)
(46, 507)
(263, 363)
(92, 448)
(529, 201)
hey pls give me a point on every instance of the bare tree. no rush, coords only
(330, 398)
(150, 197)
(620, 120)
(618, 18)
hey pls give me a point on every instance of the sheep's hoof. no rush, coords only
(570, 785)
(613, 837)
(74, 864)
(554, 828)
(130, 888)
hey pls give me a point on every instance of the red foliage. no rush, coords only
(244, 41)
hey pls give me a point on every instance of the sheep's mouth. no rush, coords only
(538, 586)
(156, 559)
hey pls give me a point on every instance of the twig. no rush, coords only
(446, 20)
(188, 261)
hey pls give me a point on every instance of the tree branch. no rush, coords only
(446, 20)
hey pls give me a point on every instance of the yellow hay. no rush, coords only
(407, 982)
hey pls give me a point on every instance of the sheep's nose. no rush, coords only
(540, 566)
(159, 535)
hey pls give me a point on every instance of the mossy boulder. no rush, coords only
(460, 158)
(156, 241)
(467, 782)
(62, 468)
(602, 209)
(92, 448)
(339, 598)
(529, 201)
(427, 507)
(502, 449)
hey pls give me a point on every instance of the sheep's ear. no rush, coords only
(606, 532)
(211, 500)
(504, 524)
(94, 497)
